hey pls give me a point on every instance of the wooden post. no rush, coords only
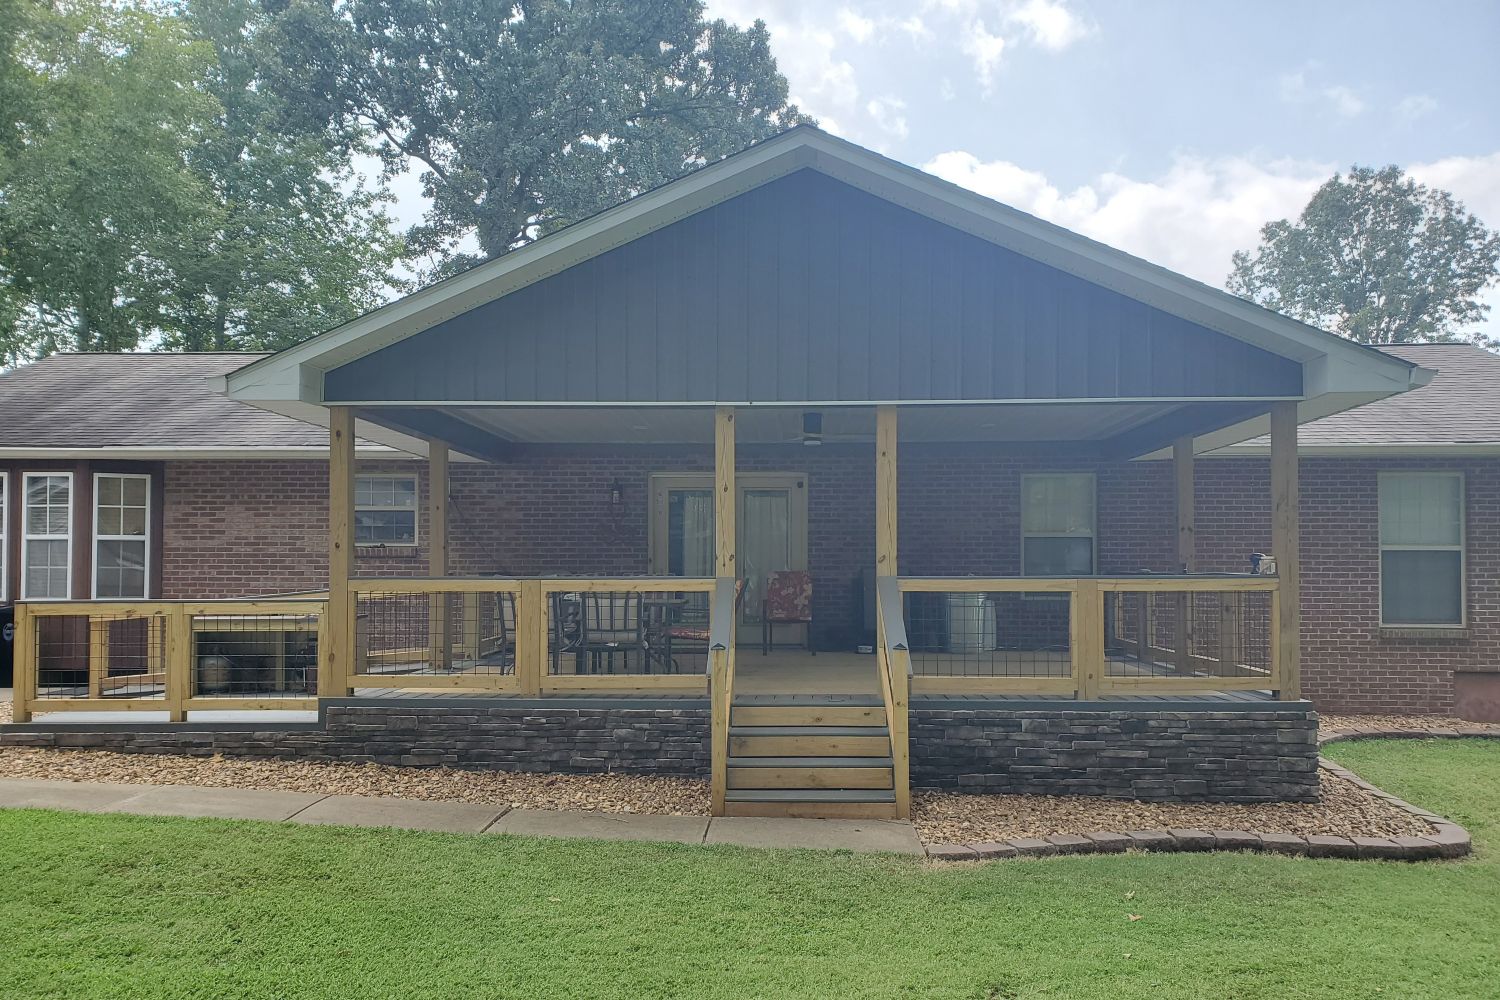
(1182, 468)
(180, 663)
(725, 497)
(337, 669)
(1285, 547)
(98, 655)
(439, 642)
(531, 636)
(886, 556)
(1088, 638)
(23, 648)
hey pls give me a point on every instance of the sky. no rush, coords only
(1170, 129)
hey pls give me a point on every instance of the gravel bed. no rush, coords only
(615, 793)
(1333, 724)
(1345, 810)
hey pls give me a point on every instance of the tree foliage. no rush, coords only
(152, 193)
(1376, 257)
(525, 116)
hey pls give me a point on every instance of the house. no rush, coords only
(557, 495)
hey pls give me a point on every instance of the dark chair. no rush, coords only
(695, 634)
(788, 601)
(610, 624)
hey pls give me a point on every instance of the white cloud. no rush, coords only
(889, 114)
(1415, 106)
(984, 50)
(1049, 23)
(856, 26)
(1340, 99)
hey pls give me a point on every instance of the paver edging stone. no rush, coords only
(1447, 840)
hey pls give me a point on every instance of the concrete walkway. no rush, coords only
(455, 817)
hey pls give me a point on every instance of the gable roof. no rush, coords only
(1458, 413)
(1342, 373)
(145, 406)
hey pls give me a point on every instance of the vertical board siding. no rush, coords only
(809, 289)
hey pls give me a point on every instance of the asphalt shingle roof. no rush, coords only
(161, 401)
(167, 401)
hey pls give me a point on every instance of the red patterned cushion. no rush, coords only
(789, 596)
(688, 632)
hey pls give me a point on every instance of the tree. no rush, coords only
(94, 190)
(1377, 258)
(293, 244)
(153, 191)
(528, 115)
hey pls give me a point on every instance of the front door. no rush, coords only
(771, 535)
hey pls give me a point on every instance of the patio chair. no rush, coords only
(610, 624)
(788, 601)
(695, 634)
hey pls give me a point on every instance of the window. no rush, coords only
(385, 510)
(4, 539)
(1057, 524)
(47, 539)
(121, 535)
(1421, 548)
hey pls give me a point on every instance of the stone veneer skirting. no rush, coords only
(1154, 755)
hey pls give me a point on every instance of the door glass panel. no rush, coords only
(765, 544)
(690, 542)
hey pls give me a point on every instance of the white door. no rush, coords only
(771, 535)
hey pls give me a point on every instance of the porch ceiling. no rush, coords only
(493, 432)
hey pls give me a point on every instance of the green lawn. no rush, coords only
(96, 906)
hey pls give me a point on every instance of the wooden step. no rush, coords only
(811, 804)
(809, 741)
(811, 772)
(807, 715)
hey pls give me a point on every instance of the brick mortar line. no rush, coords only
(1447, 841)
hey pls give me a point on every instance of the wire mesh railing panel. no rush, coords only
(254, 655)
(1007, 634)
(1188, 633)
(594, 632)
(435, 633)
(90, 656)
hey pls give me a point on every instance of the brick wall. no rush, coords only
(242, 528)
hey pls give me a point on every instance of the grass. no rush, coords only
(113, 906)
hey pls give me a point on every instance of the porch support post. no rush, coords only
(885, 492)
(338, 657)
(440, 643)
(1285, 546)
(724, 494)
(1182, 470)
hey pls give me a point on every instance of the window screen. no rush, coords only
(46, 536)
(1057, 524)
(1421, 549)
(122, 508)
(385, 510)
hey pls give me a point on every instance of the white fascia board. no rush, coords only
(296, 373)
(1436, 449)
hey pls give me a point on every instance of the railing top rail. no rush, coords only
(1152, 582)
(549, 584)
(218, 606)
(721, 614)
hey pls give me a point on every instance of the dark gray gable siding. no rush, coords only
(810, 289)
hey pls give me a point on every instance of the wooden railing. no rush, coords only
(1092, 636)
(721, 685)
(166, 656)
(893, 660)
(508, 635)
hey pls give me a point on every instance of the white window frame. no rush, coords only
(27, 536)
(4, 533)
(97, 537)
(1463, 555)
(416, 509)
(1093, 481)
